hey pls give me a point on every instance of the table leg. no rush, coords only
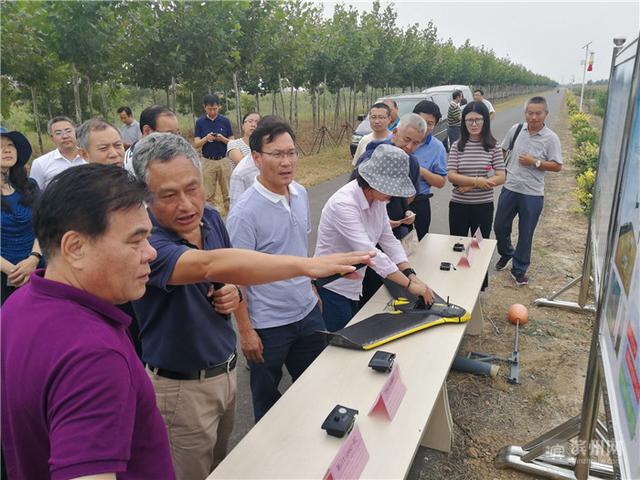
(439, 432)
(476, 322)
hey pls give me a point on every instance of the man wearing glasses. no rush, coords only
(379, 116)
(272, 216)
(63, 133)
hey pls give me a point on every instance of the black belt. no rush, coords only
(214, 158)
(214, 371)
(424, 195)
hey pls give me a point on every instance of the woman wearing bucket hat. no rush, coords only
(356, 216)
(19, 249)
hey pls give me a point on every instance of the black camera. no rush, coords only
(382, 361)
(340, 421)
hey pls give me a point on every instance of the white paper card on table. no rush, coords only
(351, 458)
(391, 395)
(465, 260)
(477, 238)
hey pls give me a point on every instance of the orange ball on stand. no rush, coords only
(518, 313)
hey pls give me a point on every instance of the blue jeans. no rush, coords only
(296, 346)
(528, 209)
(337, 310)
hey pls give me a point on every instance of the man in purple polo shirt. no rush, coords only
(76, 401)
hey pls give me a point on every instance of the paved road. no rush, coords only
(318, 196)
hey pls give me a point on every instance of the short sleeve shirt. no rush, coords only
(475, 161)
(543, 145)
(179, 328)
(267, 222)
(220, 124)
(432, 156)
(76, 400)
(131, 133)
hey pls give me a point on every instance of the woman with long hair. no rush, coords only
(19, 250)
(475, 168)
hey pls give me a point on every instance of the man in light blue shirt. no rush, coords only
(272, 216)
(432, 157)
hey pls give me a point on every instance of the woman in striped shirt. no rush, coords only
(475, 168)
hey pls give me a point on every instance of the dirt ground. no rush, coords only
(554, 346)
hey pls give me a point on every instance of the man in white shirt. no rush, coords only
(478, 96)
(63, 133)
(379, 117)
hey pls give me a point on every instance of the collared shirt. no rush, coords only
(393, 125)
(47, 166)
(362, 146)
(179, 328)
(349, 223)
(220, 124)
(397, 206)
(130, 133)
(432, 156)
(543, 145)
(267, 222)
(76, 400)
(242, 178)
(488, 104)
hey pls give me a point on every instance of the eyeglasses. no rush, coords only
(66, 131)
(474, 121)
(293, 154)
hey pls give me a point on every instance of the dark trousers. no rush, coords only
(465, 218)
(422, 207)
(295, 346)
(454, 134)
(528, 209)
(337, 310)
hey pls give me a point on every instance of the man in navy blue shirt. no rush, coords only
(188, 343)
(213, 132)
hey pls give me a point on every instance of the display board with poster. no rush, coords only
(611, 146)
(619, 318)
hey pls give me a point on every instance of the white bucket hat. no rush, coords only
(387, 171)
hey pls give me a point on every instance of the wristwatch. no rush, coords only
(538, 163)
(408, 271)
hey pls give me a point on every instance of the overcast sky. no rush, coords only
(545, 37)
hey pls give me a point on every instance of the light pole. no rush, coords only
(584, 71)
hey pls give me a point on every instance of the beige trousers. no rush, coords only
(217, 172)
(199, 418)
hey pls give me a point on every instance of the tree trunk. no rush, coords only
(153, 94)
(173, 90)
(324, 102)
(90, 97)
(193, 112)
(49, 109)
(166, 91)
(336, 113)
(226, 100)
(76, 94)
(36, 118)
(291, 106)
(238, 112)
(284, 110)
(274, 110)
(103, 97)
(296, 109)
(258, 102)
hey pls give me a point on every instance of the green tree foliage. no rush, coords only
(200, 46)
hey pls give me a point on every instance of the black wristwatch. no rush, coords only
(37, 255)
(240, 296)
(408, 271)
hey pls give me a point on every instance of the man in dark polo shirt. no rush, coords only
(212, 133)
(76, 401)
(188, 342)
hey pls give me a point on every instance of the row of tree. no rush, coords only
(80, 53)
